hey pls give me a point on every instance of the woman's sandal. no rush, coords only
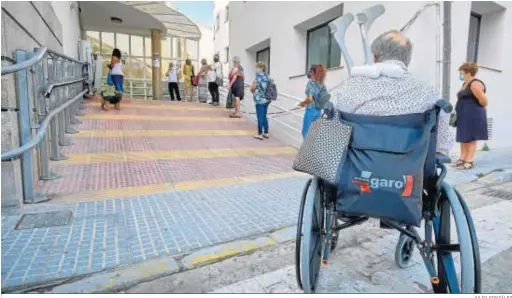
(467, 165)
(259, 137)
(235, 116)
(458, 163)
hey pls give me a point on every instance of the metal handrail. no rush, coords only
(52, 52)
(25, 64)
(49, 88)
(41, 132)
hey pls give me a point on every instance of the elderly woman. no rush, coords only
(203, 82)
(315, 89)
(236, 85)
(471, 115)
(258, 88)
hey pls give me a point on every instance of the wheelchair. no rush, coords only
(319, 225)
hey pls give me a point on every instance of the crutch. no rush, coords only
(365, 20)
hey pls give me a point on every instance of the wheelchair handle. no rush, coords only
(444, 105)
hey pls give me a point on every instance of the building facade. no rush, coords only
(221, 23)
(290, 36)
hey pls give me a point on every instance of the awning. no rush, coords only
(137, 17)
(176, 23)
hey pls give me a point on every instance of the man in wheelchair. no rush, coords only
(380, 153)
(386, 88)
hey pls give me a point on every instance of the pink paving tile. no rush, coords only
(163, 125)
(160, 112)
(218, 168)
(100, 176)
(97, 145)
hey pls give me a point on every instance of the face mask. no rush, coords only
(461, 77)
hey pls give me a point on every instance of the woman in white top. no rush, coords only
(116, 73)
(214, 79)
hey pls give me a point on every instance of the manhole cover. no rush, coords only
(44, 220)
(501, 194)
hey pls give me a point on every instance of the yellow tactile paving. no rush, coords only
(169, 118)
(174, 154)
(162, 188)
(158, 133)
(165, 107)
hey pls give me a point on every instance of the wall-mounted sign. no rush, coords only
(156, 60)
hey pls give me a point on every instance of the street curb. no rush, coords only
(224, 251)
(120, 279)
(496, 177)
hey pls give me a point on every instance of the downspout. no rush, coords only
(438, 49)
(83, 36)
(447, 47)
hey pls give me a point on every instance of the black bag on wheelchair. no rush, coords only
(383, 172)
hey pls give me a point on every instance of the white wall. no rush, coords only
(222, 33)
(68, 18)
(206, 46)
(251, 30)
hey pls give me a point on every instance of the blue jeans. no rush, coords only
(118, 82)
(310, 116)
(261, 114)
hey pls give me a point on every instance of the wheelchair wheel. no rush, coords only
(404, 251)
(449, 281)
(312, 238)
(298, 238)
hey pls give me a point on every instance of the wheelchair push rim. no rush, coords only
(467, 247)
(311, 242)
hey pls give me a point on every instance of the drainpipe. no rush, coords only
(447, 47)
(80, 22)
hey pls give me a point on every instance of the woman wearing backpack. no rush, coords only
(315, 89)
(258, 87)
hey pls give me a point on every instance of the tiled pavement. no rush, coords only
(150, 180)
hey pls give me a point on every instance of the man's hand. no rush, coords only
(302, 104)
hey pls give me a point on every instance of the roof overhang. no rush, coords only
(138, 18)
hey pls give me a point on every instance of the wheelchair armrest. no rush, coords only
(442, 159)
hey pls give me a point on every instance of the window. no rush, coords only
(227, 14)
(227, 54)
(322, 48)
(264, 56)
(217, 22)
(475, 21)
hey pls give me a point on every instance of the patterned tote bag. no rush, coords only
(324, 149)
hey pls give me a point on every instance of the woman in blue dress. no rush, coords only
(471, 112)
(314, 91)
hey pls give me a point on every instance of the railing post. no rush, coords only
(27, 164)
(67, 95)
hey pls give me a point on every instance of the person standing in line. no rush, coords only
(314, 91)
(202, 87)
(258, 88)
(188, 73)
(172, 80)
(471, 111)
(236, 85)
(214, 78)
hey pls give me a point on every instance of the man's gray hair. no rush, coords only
(236, 59)
(392, 45)
(203, 61)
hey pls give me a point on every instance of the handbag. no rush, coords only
(453, 119)
(323, 151)
(195, 80)
(219, 82)
(110, 82)
(229, 101)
